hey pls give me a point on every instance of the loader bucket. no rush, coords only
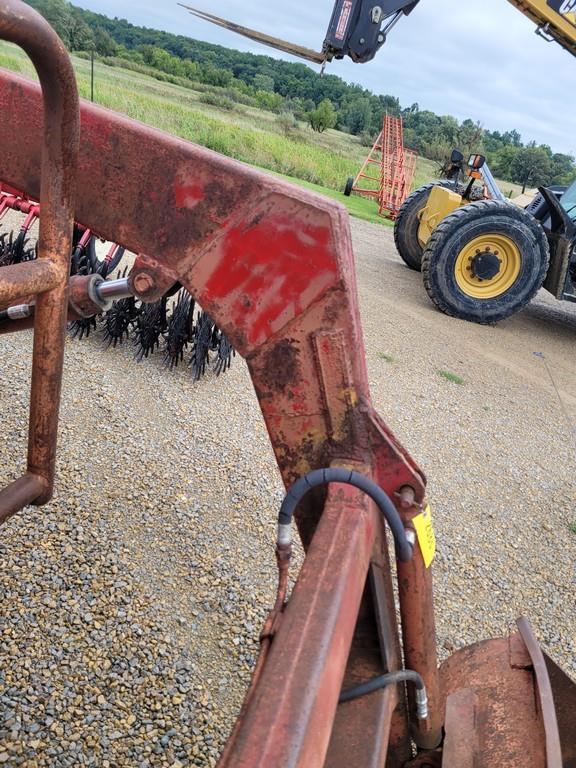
(508, 705)
(564, 693)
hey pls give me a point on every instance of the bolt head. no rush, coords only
(143, 283)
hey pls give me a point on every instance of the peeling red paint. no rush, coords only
(271, 272)
(188, 195)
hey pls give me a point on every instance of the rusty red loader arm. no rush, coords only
(273, 265)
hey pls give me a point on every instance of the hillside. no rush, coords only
(255, 136)
(297, 91)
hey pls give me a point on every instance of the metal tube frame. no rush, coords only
(48, 277)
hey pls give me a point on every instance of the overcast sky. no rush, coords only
(469, 59)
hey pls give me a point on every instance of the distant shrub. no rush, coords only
(366, 139)
(218, 100)
(240, 98)
(270, 101)
(323, 117)
(287, 123)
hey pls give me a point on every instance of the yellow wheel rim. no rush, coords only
(491, 245)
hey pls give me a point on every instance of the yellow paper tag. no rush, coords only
(426, 537)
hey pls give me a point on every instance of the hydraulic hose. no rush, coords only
(319, 477)
(391, 678)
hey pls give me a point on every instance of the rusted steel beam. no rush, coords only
(289, 719)
(271, 263)
(31, 278)
(19, 494)
(372, 731)
(56, 149)
(416, 598)
(545, 696)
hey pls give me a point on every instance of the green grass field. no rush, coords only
(321, 162)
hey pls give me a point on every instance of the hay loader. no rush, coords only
(338, 683)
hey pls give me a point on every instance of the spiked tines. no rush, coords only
(317, 57)
(180, 330)
(150, 327)
(151, 323)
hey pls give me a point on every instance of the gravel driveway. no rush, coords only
(130, 613)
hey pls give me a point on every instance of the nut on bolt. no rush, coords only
(407, 496)
(143, 283)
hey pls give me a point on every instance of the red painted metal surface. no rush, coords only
(507, 728)
(270, 262)
(273, 265)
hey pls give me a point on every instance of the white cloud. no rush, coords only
(452, 57)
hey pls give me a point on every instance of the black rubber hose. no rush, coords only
(319, 477)
(403, 675)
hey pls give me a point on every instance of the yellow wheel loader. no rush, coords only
(485, 260)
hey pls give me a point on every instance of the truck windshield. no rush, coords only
(568, 201)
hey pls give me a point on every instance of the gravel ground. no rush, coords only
(132, 602)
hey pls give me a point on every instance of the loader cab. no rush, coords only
(568, 201)
(555, 209)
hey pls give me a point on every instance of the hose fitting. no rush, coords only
(392, 678)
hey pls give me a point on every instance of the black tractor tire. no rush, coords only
(349, 186)
(460, 228)
(408, 222)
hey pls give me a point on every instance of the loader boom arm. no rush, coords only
(359, 28)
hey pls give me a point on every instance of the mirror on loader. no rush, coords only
(475, 162)
(475, 165)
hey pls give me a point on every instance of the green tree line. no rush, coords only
(297, 90)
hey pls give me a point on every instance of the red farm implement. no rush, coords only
(172, 324)
(387, 173)
(337, 683)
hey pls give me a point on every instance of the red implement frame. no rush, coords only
(273, 265)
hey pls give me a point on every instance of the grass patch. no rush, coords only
(359, 207)
(387, 358)
(453, 377)
(572, 527)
